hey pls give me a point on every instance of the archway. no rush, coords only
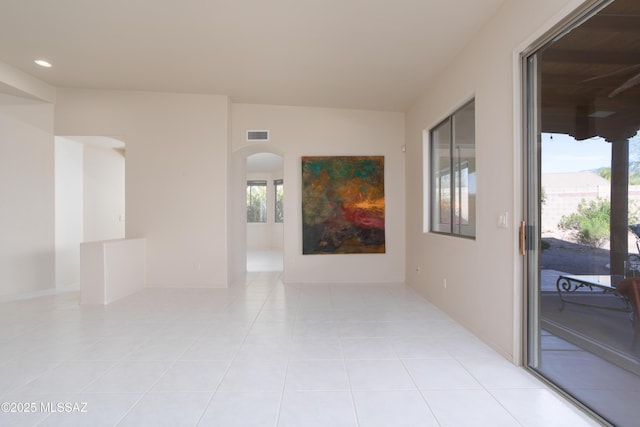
(237, 210)
(265, 219)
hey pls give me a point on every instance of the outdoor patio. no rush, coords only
(587, 350)
(600, 327)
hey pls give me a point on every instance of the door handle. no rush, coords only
(523, 228)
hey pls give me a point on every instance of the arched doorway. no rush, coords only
(237, 209)
(265, 219)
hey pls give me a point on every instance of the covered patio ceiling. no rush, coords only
(590, 78)
(589, 86)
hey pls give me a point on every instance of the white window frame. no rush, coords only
(452, 223)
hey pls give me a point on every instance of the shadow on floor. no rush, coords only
(606, 333)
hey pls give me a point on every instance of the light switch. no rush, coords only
(503, 220)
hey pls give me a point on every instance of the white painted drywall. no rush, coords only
(68, 211)
(482, 275)
(19, 84)
(306, 131)
(176, 175)
(27, 196)
(111, 269)
(104, 193)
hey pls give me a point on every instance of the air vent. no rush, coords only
(257, 135)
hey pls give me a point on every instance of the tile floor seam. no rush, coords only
(501, 404)
(349, 386)
(142, 396)
(424, 399)
(348, 377)
(43, 420)
(282, 393)
(217, 389)
(230, 364)
(284, 381)
(488, 391)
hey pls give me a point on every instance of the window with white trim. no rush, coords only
(452, 174)
(256, 201)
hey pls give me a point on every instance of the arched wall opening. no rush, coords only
(265, 219)
(237, 211)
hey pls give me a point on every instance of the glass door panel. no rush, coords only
(583, 201)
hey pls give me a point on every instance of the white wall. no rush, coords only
(277, 236)
(104, 193)
(484, 277)
(176, 175)
(68, 211)
(22, 85)
(304, 131)
(26, 196)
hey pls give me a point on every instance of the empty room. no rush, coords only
(306, 213)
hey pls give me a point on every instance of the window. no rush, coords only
(256, 201)
(452, 176)
(278, 186)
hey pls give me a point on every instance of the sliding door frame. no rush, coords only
(530, 133)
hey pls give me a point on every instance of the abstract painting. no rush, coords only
(343, 205)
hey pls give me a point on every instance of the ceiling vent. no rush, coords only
(257, 135)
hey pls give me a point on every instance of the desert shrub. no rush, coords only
(590, 222)
(605, 173)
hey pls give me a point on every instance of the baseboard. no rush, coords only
(38, 294)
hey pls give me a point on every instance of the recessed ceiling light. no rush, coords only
(43, 63)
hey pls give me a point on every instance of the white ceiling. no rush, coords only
(370, 54)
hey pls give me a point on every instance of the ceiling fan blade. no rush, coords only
(613, 73)
(633, 81)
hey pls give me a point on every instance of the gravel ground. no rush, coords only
(574, 258)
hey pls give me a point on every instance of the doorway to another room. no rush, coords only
(265, 215)
(89, 199)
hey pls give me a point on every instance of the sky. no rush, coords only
(562, 153)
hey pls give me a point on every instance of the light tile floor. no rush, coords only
(265, 354)
(261, 260)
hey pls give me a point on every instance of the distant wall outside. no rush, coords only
(564, 201)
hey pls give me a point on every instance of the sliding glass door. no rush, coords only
(582, 205)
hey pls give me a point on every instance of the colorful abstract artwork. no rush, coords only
(343, 205)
